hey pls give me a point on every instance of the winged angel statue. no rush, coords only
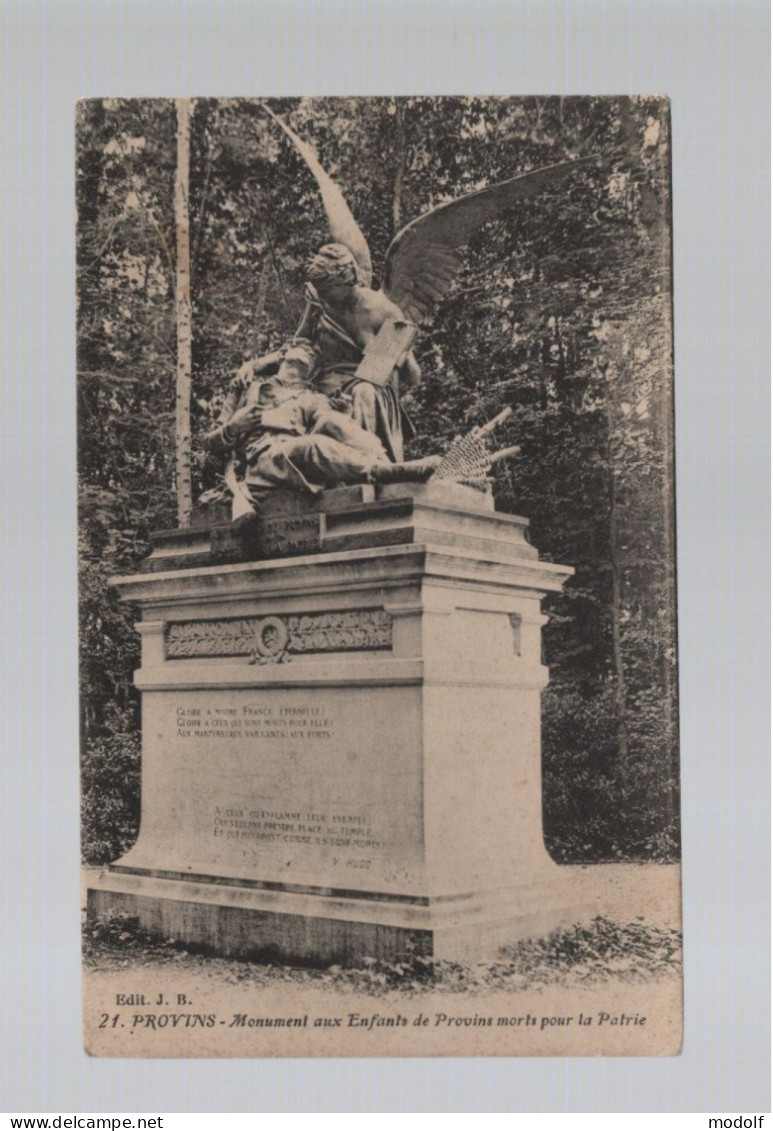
(325, 410)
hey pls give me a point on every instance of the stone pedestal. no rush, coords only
(341, 748)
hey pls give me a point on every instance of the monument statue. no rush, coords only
(324, 681)
(364, 336)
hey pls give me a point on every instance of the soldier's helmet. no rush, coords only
(303, 350)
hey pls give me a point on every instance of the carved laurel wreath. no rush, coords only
(271, 639)
(274, 639)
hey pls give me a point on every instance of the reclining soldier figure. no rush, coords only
(290, 436)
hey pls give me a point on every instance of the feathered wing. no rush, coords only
(424, 257)
(343, 226)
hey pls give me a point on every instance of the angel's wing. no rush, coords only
(343, 226)
(424, 257)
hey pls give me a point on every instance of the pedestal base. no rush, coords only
(322, 930)
(341, 748)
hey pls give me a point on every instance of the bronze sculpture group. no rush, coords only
(325, 410)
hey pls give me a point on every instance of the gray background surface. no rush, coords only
(712, 59)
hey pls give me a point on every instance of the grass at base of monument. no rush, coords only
(633, 952)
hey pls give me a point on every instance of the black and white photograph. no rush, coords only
(378, 643)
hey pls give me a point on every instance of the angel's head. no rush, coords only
(333, 265)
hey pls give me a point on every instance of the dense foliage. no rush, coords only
(562, 311)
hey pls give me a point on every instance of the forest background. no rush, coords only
(562, 310)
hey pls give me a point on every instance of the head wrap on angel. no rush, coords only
(333, 263)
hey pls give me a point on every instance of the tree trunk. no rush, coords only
(617, 601)
(183, 314)
(397, 191)
(262, 293)
(617, 649)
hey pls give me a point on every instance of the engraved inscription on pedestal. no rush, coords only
(345, 831)
(282, 787)
(285, 535)
(255, 721)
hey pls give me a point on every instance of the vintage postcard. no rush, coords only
(378, 623)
